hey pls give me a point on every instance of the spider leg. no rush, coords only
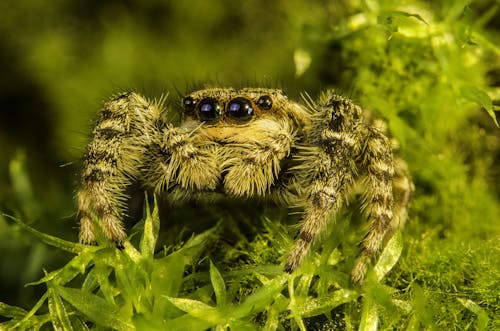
(324, 197)
(330, 174)
(174, 156)
(402, 188)
(377, 161)
(252, 169)
(111, 163)
(382, 227)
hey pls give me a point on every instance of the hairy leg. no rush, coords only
(111, 162)
(326, 170)
(174, 157)
(378, 165)
(252, 169)
(402, 189)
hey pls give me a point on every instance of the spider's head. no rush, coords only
(240, 115)
(232, 107)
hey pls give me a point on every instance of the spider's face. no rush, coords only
(230, 107)
(227, 114)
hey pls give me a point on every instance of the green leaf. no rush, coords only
(302, 60)
(422, 311)
(293, 304)
(95, 308)
(132, 253)
(324, 304)
(369, 315)
(390, 256)
(100, 275)
(184, 323)
(218, 285)
(482, 316)
(479, 97)
(60, 319)
(30, 316)
(12, 311)
(72, 269)
(261, 299)
(409, 15)
(273, 313)
(132, 280)
(151, 229)
(166, 278)
(54, 241)
(199, 310)
(200, 240)
(407, 24)
(79, 323)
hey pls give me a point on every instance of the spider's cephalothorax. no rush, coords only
(251, 142)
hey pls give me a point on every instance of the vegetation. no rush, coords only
(431, 69)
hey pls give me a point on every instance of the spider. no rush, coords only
(244, 143)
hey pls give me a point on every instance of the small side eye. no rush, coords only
(188, 103)
(209, 110)
(240, 109)
(265, 102)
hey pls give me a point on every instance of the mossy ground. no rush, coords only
(430, 69)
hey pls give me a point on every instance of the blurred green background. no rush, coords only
(424, 66)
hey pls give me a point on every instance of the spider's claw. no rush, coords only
(288, 268)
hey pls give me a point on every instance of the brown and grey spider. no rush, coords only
(244, 143)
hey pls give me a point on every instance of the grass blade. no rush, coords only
(479, 97)
(218, 285)
(482, 316)
(12, 311)
(95, 308)
(262, 298)
(390, 256)
(60, 319)
(151, 229)
(317, 306)
(369, 316)
(51, 240)
(199, 310)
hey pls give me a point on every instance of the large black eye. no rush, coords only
(265, 102)
(240, 109)
(188, 103)
(209, 110)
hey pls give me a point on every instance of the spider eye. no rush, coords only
(209, 110)
(265, 102)
(240, 109)
(188, 103)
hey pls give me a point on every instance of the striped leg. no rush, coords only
(377, 160)
(328, 170)
(324, 198)
(111, 162)
(402, 188)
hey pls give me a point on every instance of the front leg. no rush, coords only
(324, 195)
(252, 169)
(175, 157)
(112, 160)
(326, 170)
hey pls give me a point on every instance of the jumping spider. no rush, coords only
(251, 142)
